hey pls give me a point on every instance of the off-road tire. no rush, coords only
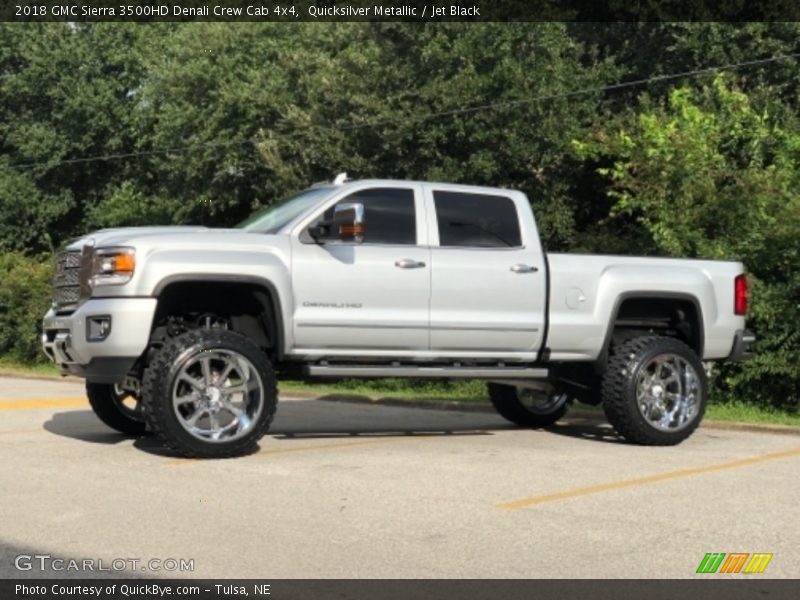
(157, 386)
(106, 404)
(619, 389)
(507, 403)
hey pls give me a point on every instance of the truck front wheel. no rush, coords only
(654, 391)
(117, 408)
(210, 394)
(528, 407)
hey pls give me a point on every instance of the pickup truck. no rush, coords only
(184, 331)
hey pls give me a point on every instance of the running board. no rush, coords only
(411, 371)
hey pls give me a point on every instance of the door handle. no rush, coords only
(408, 263)
(520, 268)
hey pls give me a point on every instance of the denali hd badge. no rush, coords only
(332, 304)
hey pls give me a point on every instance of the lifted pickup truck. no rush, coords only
(186, 330)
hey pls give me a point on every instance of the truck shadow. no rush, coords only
(82, 425)
(587, 429)
(311, 419)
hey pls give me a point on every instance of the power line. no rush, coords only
(586, 91)
(434, 115)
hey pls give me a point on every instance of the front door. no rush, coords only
(355, 298)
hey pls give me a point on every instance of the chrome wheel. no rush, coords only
(128, 403)
(541, 402)
(217, 395)
(668, 392)
(528, 406)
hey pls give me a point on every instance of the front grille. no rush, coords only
(66, 281)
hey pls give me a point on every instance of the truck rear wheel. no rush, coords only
(117, 408)
(210, 394)
(654, 391)
(528, 407)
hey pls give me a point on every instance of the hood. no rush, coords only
(120, 236)
(150, 239)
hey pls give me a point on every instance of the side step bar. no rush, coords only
(422, 371)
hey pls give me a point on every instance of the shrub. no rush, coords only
(25, 294)
(710, 175)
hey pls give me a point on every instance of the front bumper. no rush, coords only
(741, 345)
(66, 343)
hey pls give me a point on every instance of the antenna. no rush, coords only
(340, 179)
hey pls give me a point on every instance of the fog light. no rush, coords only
(98, 328)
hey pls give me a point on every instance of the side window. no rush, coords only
(389, 215)
(477, 220)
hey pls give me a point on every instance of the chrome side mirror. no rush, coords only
(348, 222)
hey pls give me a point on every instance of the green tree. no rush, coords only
(366, 109)
(708, 175)
(65, 94)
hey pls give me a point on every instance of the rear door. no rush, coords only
(487, 273)
(367, 297)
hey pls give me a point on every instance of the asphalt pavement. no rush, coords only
(342, 490)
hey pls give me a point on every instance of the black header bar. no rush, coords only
(711, 587)
(402, 10)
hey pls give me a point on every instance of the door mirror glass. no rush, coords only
(348, 222)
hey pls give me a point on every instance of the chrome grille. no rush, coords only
(66, 281)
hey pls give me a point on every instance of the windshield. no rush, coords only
(272, 218)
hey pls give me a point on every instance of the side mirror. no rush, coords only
(348, 222)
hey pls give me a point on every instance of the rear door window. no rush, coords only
(476, 220)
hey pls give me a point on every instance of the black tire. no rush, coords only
(160, 384)
(108, 403)
(634, 359)
(506, 400)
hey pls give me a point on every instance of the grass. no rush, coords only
(749, 413)
(453, 391)
(15, 368)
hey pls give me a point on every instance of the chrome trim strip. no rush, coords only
(485, 328)
(363, 325)
(410, 371)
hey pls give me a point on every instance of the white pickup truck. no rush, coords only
(186, 330)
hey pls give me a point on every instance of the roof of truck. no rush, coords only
(342, 180)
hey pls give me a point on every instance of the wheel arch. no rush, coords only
(270, 302)
(627, 314)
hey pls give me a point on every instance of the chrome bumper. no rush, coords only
(57, 348)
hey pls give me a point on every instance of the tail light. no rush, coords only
(740, 295)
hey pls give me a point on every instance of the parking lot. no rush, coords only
(352, 490)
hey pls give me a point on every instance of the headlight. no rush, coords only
(113, 266)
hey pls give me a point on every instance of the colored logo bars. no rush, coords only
(735, 562)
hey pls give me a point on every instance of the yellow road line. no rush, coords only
(37, 403)
(636, 481)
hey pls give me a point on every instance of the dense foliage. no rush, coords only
(707, 174)
(24, 297)
(202, 123)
